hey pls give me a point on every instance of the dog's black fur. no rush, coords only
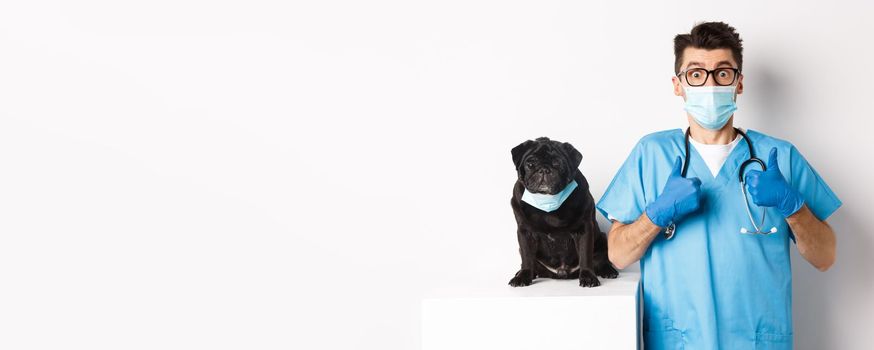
(568, 239)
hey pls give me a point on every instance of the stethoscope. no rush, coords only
(669, 231)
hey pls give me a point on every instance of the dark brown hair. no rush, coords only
(709, 36)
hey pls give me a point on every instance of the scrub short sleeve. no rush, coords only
(817, 195)
(624, 198)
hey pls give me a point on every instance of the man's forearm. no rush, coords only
(626, 243)
(814, 238)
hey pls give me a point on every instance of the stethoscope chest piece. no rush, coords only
(669, 231)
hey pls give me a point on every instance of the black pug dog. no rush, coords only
(566, 242)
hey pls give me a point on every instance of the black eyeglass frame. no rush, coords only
(709, 72)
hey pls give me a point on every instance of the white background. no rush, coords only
(265, 175)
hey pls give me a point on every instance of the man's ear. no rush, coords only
(678, 86)
(740, 84)
(519, 151)
(573, 156)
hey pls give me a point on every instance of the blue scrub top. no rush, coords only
(711, 287)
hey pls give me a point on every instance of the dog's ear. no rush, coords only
(573, 156)
(519, 151)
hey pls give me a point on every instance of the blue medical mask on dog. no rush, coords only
(710, 106)
(548, 202)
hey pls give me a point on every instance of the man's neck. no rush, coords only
(722, 136)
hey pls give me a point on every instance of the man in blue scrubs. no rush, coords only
(711, 278)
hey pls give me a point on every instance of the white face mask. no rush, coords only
(711, 106)
(549, 202)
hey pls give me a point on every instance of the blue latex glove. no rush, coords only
(769, 189)
(680, 197)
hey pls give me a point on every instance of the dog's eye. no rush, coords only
(529, 165)
(555, 163)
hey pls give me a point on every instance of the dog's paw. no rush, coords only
(523, 278)
(588, 279)
(606, 271)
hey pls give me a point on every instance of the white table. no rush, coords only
(549, 314)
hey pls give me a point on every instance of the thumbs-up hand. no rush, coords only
(679, 197)
(769, 189)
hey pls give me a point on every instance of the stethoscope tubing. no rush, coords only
(752, 159)
(669, 232)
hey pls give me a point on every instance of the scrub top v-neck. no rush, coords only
(715, 155)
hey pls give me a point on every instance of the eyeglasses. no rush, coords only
(721, 76)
